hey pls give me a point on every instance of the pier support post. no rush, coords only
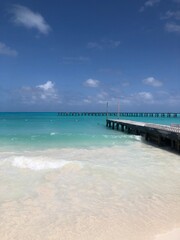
(178, 146)
(137, 132)
(106, 123)
(147, 137)
(173, 144)
(159, 141)
(122, 128)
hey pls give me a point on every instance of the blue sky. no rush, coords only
(76, 55)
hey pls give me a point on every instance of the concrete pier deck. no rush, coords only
(163, 135)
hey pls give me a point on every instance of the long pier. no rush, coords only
(121, 114)
(162, 135)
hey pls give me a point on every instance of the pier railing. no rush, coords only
(121, 114)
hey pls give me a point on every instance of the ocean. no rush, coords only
(71, 178)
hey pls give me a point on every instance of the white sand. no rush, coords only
(172, 235)
(101, 194)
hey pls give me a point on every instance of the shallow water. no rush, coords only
(79, 180)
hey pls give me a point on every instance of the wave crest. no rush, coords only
(37, 164)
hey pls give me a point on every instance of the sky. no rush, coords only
(67, 55)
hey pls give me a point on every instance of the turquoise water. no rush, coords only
(48, 130)
(73, 178)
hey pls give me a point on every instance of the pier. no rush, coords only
(121, 114)
(162, 135)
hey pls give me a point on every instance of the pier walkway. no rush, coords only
(160, 134)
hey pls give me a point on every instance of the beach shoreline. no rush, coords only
(79, 180)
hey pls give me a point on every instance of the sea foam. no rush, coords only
(37, 164)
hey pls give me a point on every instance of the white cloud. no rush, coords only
(176, 15)
(145, 96)
(5, 50)
(170, 14)
(41, 93)
(126, 84)
(168, 99)
(112, 43)
(29, 19)
(151, 81)
(87, 101)
(94, 45)
(48, 86)
(102, 95)
(172, 27)
(47, 91)
(149, 3)
(92, 83)
(174, 100)
(137, 99)
(99, 98)
(134, 99)
(78, 60)
(104, 44)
